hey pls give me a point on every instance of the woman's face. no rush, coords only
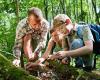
(62, 30)
(55, 36)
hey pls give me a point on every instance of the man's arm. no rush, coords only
(43, 39)
(20, 32)
(47, 52)
(18, 41)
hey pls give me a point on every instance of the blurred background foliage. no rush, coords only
(12, 11)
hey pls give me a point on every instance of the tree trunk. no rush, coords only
(74, 5)
(52, 9)
(55, 70)
(46, 8)
(66, 72)
(70, 8)
(95, 10)
(76, 9)
(81, 10)
(17, 10)
(10, 72)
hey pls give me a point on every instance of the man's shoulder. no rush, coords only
(45, 23)
(22, 23)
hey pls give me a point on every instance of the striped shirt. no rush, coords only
(23, 29)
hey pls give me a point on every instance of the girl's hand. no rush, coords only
(58, 55)
(66, 60)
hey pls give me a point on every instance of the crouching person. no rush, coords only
(81, 43)
(58, 41)
(31, 36)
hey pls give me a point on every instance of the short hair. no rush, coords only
(35, 11)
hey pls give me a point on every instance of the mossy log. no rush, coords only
(65, 72)
(55, 70)
(10, 72)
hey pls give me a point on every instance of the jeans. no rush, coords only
(83, 61)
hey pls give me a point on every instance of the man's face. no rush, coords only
(32, 19)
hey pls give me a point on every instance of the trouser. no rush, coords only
(83, 61)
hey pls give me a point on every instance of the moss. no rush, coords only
(69, 72)
(10, 72)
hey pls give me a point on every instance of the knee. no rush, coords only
(77, 43)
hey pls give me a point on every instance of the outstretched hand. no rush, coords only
(32, 66)
(16, 62)
(58, 55)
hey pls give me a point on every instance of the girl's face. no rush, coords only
(63, 29)
(56, 36)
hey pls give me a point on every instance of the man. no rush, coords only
(31, 36)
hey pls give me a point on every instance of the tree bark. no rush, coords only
(81, 10)
(95, 10)
(66, 72)
(46, 8)
(10, 72)
(17, 10)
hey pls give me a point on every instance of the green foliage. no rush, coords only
(9, 17)
(10, 72)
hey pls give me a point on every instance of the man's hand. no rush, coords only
(58, 55)
(16, 62)
(33, 66)
(40, 61)
(33, 58)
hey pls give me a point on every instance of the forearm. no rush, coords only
(17, 53)
(79, 52)
(40, 46)
(47, 52)
(28, 51)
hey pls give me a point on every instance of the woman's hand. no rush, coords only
(58, 55)
(66, 60)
